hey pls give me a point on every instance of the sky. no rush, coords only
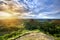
(41, 9)
(38, 9)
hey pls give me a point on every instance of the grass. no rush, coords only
(57, 38)
(16, 34)
(19, 33)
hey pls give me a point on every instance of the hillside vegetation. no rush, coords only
(12, 28)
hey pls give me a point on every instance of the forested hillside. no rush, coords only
(14, 27)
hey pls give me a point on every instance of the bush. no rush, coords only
(30, 26)
(1, 38)
(47, 27)
(50, 28)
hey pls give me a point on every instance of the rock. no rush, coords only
(36, 36)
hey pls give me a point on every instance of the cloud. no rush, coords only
(43, 15)
(42, 8)
(4, 15)
(37, 9)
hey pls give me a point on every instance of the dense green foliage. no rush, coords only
(46, 27)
